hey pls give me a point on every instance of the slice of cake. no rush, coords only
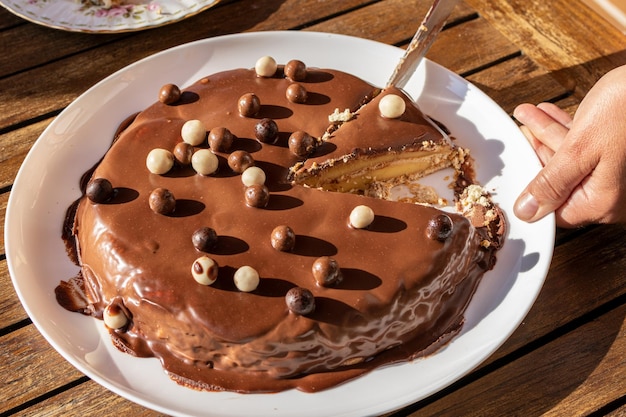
(389, 139)
(207, 235)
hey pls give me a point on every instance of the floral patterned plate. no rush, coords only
(84, 16)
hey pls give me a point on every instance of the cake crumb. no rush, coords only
(340, 117)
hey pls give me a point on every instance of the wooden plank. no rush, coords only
(11, 311)
(576, 374)
(517, 81)
(579, 50)
(15, 146)
(4, 200)
(458, 48)
(372, 22)
(24, 53)
(9, 20)
(88, 400)
(291, 14)
(39, 368)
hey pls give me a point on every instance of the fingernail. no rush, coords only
(526, 207)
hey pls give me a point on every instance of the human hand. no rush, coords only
(584, 175)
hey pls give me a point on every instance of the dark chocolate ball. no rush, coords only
(326, 271)
(266, 131)
(301, 144)
(220, 139)
(439, 227)
(257, 195)
(169, 94)
(296, 70)
(300, 301)
(240, 160)
(204, 239)
(99, 190)
(162, 201)
(283, 238)
(296, 93)
(249, 105)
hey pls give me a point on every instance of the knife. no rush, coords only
(432, 24)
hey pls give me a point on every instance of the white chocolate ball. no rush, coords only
(253, 176)
(204, 270)
(159, 161)
(361, 217)
(114, 317)
(246, 279)
(391, 106)
(266, 66)
(193, 132)
(204, 162)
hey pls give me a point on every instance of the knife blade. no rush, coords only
(428, 30)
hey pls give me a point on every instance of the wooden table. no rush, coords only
(569, 355)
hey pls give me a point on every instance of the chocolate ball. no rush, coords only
(296, 93)
(193, 132)
(300, 301)
(240, 160)
(257, 195)
(204, 239)
(326, 271)
(296, 70)
(114, 316)
(99, 190)
(301, 144)
(221, 139)
(391, 106)
(246, 279)
(169, 94)
(159, 161)
(361, 217)
(439, 227)
(162, 201)
(205, 270)
(204, 162)
(249, 105)
(265, 66)
(253, 175)
(266, 131)
(283, 238)
(183, 153)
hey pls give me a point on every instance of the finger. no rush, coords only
(558, 114)
(543, 152)
(546, 129)
(576, 211)
(552, 186)
(600, 197)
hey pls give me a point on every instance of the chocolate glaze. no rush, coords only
(402, 294)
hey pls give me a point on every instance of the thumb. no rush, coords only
(552, 186)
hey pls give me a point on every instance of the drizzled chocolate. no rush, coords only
(331, 301)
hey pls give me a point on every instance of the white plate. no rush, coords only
(73, 16)
(48, 182)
